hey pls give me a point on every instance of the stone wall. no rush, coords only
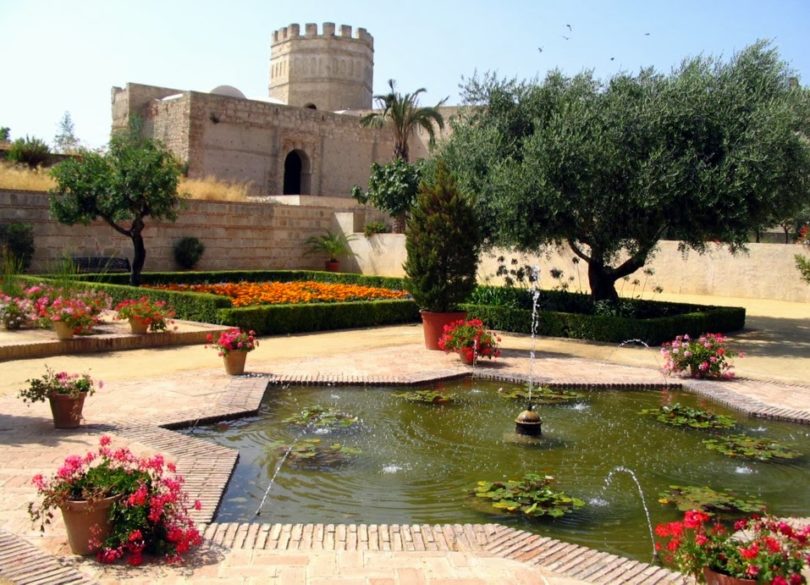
(235, 235)
(767, 271)
(271, 235)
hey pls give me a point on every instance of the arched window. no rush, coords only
(310, 106)
(296, 173)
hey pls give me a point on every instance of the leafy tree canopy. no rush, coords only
(392, 187)
(709, 152)
(135, 179)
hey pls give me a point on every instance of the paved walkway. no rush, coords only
(147, 388)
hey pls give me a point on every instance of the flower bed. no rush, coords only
(244, 294)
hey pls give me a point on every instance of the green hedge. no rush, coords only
(206, 277)
(653, 331)
(190, 306)
(280, 319)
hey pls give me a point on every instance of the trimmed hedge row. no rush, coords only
(280, 319)
(562, 314)
(190, 306)
(200, 277)
(653, 331)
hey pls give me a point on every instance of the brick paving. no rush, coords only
(138, 407)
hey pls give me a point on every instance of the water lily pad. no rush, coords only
(692, 497)
(320, 417)
(679, 415)
(531, 496)
(750, 448)
(427, 396)
(541, 395)
(314, 453)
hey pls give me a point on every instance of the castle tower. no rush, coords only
(325, 72)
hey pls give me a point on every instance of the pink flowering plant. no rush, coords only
(233, 339)
(73, 312)
(16, 312)
(705, 357)
(763, 549)
(470, 338)
(156, 314)
(150, 515)
(51, 383)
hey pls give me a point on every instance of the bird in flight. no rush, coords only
(569, 27)
(566, 38)
(612, 58)
(539, 49)
(646, 34)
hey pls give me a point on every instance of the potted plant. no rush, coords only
(68, 316)
(757, 550)
(145, 314)
(470, 339)
(16, 312)
(443, 242)
(332, 245)
(233, 345)
(65, 392)
(119, 505)
(705, 357)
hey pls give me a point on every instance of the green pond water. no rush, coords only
(419, 462)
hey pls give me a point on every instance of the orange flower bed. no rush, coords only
(288, 293)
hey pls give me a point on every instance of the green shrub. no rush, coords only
(29, 151)
(188, 251)
(693, 319)
(376, 227)
(282, 319)
(17, 244)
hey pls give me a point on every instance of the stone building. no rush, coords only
(305, 138)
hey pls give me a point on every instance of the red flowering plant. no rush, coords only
(762, 549)
(704, 357)
(150, 515)
(155, 314)
(471, 339)
(62, 383)
(234, 339)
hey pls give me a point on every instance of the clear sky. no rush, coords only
(65, 55)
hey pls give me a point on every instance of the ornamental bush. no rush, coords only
(188, 251)
(704, 357)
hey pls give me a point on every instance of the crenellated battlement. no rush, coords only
(328, 32)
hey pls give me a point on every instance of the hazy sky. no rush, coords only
(65, 55)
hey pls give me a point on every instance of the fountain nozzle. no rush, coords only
(528, 422)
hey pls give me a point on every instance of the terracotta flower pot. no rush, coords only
(67, 410)
(138, 326)
(63, 330)
(466, 356)
(333, 266)
(235, 362)
(87, 522)
(715, 578)
(433, 325)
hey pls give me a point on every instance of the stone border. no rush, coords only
(208, 468)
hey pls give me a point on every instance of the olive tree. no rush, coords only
(134, 180)
(710, 152)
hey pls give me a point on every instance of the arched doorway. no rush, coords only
(296, 173)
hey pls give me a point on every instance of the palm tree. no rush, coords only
(406, 116)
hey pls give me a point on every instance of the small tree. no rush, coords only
(29, 151)
(392, 187)
(443, 243)
(65, 141)
(803, 264)
(5, 133)
(405, 115)
(136, 179)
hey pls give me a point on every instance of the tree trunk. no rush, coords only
(602, 282)
(139, 258)
(399, 223)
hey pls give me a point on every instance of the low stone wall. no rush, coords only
(766, 271)
(271, 236)
(235, 235)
